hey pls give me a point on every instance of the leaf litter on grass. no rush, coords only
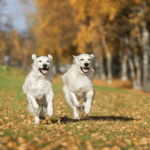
(118, 120)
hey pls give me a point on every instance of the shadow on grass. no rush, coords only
(98, 118)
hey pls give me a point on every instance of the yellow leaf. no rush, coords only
(7, 118)
(8, 124)
(22, 116)
(89, 145)
(136, 143)
(44, 121)
(21, 140)
(79, 127)
(49, 121)
(105, 148)
(5, 139)
(64, 144)
(12, 145)
(116, 148)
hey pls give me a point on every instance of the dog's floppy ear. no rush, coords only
(92, 55)
(75, 61)
(34, 56)
(50, 57)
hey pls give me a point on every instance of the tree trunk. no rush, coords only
(131, 65)
(96, 65)
(146, 51)
(146, 64)
(124, 61)
(138, 71)
(101, 61)
(109, 61)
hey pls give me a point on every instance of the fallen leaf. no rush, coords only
(89, 145)
(7, 118)
(8, 125)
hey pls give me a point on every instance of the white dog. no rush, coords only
(38, 87)
(78, 84)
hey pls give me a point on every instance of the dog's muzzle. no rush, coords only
(85, 69)
(44, 71)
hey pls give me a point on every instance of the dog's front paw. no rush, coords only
(50, 113)
(87, 111)
(37, 120)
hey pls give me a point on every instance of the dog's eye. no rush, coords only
(48, 61)
(81, 59)
(89, 59)
(40, 61)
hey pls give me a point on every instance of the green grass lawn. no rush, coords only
(119, 120)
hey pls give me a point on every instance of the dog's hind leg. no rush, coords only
(42, 114)
(88, 103)
(68, 99)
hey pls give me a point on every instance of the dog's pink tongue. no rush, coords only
(85, 70)
(44, 71)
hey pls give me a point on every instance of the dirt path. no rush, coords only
(119, 84)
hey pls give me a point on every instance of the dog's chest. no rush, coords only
(41, 88)
(81, 85)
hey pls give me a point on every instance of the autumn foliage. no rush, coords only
(117, 32)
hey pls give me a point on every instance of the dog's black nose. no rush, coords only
(86, 64)
(44, 65)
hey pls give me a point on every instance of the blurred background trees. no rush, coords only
(117, 32)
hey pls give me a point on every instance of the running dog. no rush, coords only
(78, 84)
(38, 87)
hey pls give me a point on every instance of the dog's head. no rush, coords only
(84, 62)
(43, 63)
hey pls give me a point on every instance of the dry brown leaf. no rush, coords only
(144, 141)
(116, 148)
(44, 121)
(29, 122)
(8, 124)
(5, 139)
(89, 145)
(64, 144)
(106, 148)
(69, 132)
(2, 147)
(22, 116)
(59, 120)
(136, 143)
(22, 146)
(7, 118)
(79, 127)
(21, 140)
(12, 145)
(49, 121)
(94, 135)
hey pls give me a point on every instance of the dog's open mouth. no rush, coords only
(44, 71)
(85, 70)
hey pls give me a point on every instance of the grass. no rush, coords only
(119, 120)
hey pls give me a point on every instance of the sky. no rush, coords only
(13, 12)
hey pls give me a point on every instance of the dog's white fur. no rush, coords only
(38, 88)
(78, 84)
